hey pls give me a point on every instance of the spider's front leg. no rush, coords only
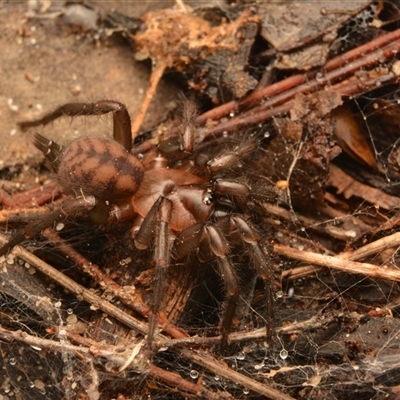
(156, 224)
(219, 248)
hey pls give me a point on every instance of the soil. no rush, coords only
(45, 63)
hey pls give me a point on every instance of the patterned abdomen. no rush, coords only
(99, 167)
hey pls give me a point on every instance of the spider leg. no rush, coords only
(230, 158)
(220, 249)
(162, 254)
(121, 119)
(251, 240)
(186, 241)
(51, 150)
(69, 207)
(156, 224)
(187, 133)
(179, 147)
(146, 231)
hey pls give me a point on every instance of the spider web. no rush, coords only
(342, 330)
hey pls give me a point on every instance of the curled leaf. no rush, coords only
(350, 137)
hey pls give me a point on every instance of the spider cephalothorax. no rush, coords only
(182, 202)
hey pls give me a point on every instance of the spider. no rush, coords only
(181, 203)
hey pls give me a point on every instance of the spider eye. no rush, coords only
(208, 197)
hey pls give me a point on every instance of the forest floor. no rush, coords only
(321, 107)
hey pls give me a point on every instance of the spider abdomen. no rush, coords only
(99, 167)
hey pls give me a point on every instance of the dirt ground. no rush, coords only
(45, 64)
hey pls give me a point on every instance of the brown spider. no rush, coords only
(180, 202)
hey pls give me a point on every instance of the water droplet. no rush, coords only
(31, 384)
(194, 374)
(70, 311)
(300, 282)
(231, 114)
(267, 134)
(60, 226)
(246, 391)
(216, 377)
(10, 260)
(283, 354)
(225, 134)
(258, 366)
(240, 356)
(13, 361)
(319, 77)
(279, 294)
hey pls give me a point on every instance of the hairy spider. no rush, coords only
(182, 202)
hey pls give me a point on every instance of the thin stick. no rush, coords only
(371, 270)
(115, 354)
(155, 78)
(80, 291)
(126, 295)
(204, 360)
(311, 324)
(375, 247)
(199, 357)
(296, 80)
(369, 249)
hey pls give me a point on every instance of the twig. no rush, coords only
(201, 358)
(370, 270)
(81, 292)
(204, 360)
(126, 295)
(295, 327)
(270, 108)
(176, 381)
(376, 247)
(296, 80)
(155, 78)
(115, 355)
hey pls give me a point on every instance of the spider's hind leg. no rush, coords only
(68, 208)
(121, 119)
(51, 150)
